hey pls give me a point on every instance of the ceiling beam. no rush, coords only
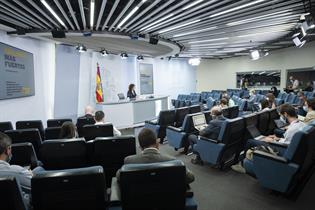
(14, 14)
(32, 12)
(64, 14)
(158, 9)
(121, 14)
(110, 14)
(43, 13)
(100, 14)
(73, 14)
(141, 14)
(82, 13)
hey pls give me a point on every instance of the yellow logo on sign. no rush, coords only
(26, 90)
(10, 51)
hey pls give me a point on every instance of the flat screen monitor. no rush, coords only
(16, 72)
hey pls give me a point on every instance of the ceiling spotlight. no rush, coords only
(298, 39)
(254, 54)
(194, 61)
(140, 58)
(104, 53)
(124, 55)
(81, 48)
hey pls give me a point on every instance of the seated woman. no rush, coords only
(223, 103)
(68, 131)
(264, 103)
(271, 99)
(131, 94)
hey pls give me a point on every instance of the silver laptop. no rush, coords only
(121, 96)
(255, 133)
(199, 121)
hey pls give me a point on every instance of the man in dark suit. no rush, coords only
(151, 153)
(212, 131)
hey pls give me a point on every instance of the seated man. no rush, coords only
(100, 120)
(88, 111)
(230, 100)
(212, 131)
(22, 175)
(309, 107)
(151, 154)
(289, 114)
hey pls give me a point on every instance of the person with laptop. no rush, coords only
(211, 131)
(288, 112)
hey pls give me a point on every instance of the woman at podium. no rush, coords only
(131, 92)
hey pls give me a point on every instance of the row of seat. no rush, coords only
(176, 136)
(290, 170)
(195, 98)
(180, 119)
(237, 92)
(174, 117)
(231, 140)
(32, 135)
(289, 98)
(86, 189)
(108, 152)
(53, 126)
(186, 100)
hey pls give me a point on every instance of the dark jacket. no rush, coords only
(213, 129)
(131, 94)
(152, 155)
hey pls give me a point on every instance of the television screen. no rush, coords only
(16, 73)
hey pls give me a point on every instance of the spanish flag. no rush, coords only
(99, 88)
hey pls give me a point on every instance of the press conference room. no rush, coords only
(157, 104)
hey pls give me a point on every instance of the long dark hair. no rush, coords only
(130, 88)
(68, 131)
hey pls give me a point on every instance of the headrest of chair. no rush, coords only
(28, 144)
(56, 141)
(124, 137)
(69, 172)
(151, 166)
(100, 125)
(23, 130)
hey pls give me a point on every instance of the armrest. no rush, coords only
(153, 122)
(175, 129)
(211, 140)
(270, 156)
(115, 192)
(278, 144)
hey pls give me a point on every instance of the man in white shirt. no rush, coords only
(22, 175)
(100, 120)
(289, 114)
(295, 83)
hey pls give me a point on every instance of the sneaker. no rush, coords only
(238, 168)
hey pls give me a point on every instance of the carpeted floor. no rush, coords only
(229, 190)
